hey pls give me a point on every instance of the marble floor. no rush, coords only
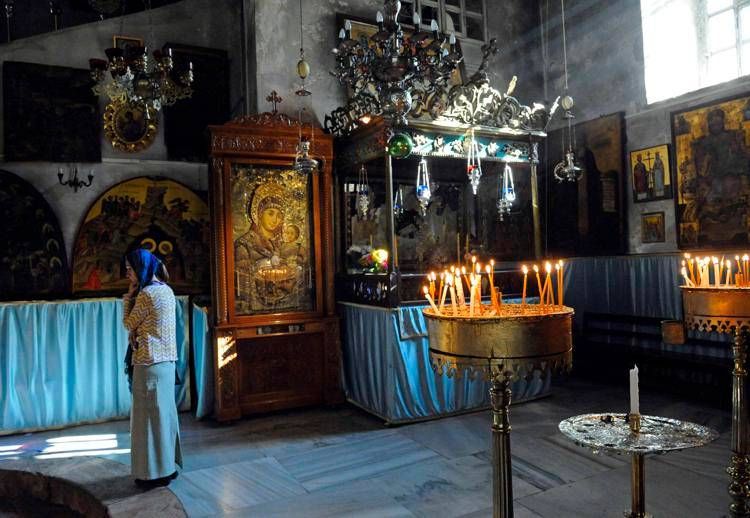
(344, 462)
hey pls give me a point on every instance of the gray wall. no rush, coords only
(206, 23)
(605, 64)
(276, 41)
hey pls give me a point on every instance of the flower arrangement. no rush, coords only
(375, 262)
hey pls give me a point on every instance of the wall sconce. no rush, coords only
(73, 182)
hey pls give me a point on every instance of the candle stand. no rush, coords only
(727, 310)
(637, 435)
(501, 347)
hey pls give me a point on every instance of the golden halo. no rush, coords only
(134, 136)
(263, 191)
(149, 244)
(165, 248)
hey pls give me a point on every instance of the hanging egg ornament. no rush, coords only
(400, 145)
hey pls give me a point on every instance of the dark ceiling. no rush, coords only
(30, 17)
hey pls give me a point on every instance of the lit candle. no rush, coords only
(634, 391)
(690, 266)
(432, 284)
(550, 298)
(561, 280)
(729, 273)
(472, 293)
(525, 275)
(688, 282)
(430, 300)
(559, 284)
(443, 290)
(717, 273)
(460, 290)
(745, 259)
(488, 268)
(466, 277)
(539, 284)
(453, 295)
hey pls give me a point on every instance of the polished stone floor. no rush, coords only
(343, 462)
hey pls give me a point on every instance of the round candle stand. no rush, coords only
(501, 348)
(727, 310)
(637, 435)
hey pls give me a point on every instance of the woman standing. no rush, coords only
(149, 316)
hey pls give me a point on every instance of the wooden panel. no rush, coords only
(280, 371)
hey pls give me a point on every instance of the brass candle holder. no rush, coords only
(501, 346)
(726, 309)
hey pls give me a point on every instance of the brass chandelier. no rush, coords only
(384, 70)
(134, 78)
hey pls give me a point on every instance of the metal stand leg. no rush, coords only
(637, 488)
(739, 466)
(502, 476)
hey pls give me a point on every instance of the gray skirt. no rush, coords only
(154, 428)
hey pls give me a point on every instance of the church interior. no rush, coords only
(316, 258)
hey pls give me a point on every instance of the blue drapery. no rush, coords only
(387, 368)
(61, 363)
(204, 363)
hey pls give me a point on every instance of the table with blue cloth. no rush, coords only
(387, 369)
(61, 363)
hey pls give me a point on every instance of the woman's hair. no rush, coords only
(145, 265)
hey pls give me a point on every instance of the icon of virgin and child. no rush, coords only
(271, 257)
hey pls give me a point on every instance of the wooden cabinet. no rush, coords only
(275, 333)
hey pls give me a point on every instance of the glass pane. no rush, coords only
(457, 3)
(717, 5)
(474, 28)
(273, 240)
(453, 23)
(745, 22)
(722, 66)
(474, 6)
(721, 31)
(406, 12)
(429, 14)
(745, 59)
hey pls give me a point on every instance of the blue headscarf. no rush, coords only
(144, 264)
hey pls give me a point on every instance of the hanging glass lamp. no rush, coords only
(506, 193)
(363, 193)
(423, 192)
(473, 164)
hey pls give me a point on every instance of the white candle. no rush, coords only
(634, 391)
(717, 273)
(426, 291)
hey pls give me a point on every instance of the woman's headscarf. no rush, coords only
(144, 264)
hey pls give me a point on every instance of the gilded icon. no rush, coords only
(650, 172)
(712, 159)
(128, 127)
(272, 253)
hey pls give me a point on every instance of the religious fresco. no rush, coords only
(33, 261)
(160, 215)
(712, 159)
(273, 248)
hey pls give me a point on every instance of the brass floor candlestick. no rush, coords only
(636, 435)
(500, 348)
(727, 310)
(502, 475)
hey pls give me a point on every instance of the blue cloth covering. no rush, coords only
(204, 363)
(387, 368)
(61, 363)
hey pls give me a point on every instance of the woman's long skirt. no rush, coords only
(154, 428)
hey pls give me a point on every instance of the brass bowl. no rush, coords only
(716, 309)
(515, 343)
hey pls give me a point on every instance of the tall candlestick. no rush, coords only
(690, 266)
(472, 294)
(443, 291)
(634, 407)
(717, 274)
(525, 275)
(559, 284)
(688, 282)
(492, 284)
(561, 280)
(453, 295)
(550, 299)
(460, 290)
(745, 271)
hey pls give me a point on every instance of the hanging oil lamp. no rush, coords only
(473, 164)
(423, 192)
(506, 193)
(363, 193)
(398, 202)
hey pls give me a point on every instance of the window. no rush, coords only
(691, 44)
(465, 18)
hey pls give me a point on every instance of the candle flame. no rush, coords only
(729, 263)
(548, 267)
(425, 290)
(715, 260)
(463, 270)
(524, 269)
(687, 255)
(557, 267)
(492, 263)
(536, 268)
(488, 269)
(473, 258)
(745, 257)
